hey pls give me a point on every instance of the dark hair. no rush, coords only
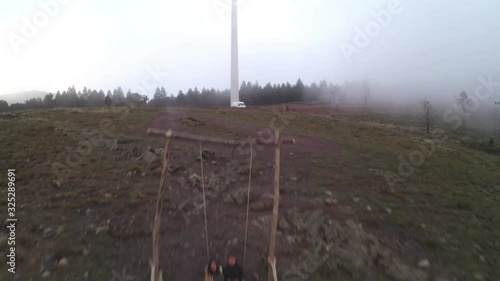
(209, 267)
(232, 256)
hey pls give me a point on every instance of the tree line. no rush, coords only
(465, 105)
(250, 93)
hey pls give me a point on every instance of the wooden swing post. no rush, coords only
(156, 274)
(274, 227)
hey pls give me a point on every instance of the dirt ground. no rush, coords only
(183, 243)
(226, 221)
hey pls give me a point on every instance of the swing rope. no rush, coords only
(204, 203)
(248, 206)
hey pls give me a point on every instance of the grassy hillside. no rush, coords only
(448, 202)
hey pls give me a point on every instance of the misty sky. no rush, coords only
(433, 46)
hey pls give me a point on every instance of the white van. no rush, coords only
(238, 104)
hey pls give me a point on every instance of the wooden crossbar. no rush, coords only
(217, 140)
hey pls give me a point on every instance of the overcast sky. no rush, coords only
(440, 46)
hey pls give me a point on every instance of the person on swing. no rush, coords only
(213, 272)
(233, 271)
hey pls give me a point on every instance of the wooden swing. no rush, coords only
(156, 274)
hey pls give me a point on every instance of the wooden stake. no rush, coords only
(204, 202)
(274, 227)
(248, 206)
(272, 264)
(156, 274)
